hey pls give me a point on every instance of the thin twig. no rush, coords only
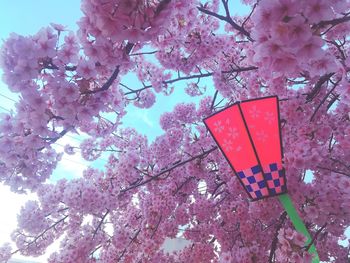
(183, 184)
(144, 53)
(100, 224)
(114, 75)
(105, 86)
(275, 240)
(316, 89)
(334, 171)
(168, 170)
(322, 101)
(42, 233)
(214, 98)
(226, 18)
(332, 23)
(131, 241)
(195, 76)
(315, 237)
(156, 228)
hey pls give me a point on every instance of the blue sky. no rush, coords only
(27, 17)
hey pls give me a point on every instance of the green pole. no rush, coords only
(298, 223)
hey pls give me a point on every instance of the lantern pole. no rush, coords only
(298, 223)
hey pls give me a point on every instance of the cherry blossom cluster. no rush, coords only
(179, 184)
(291, 247)
(293, 38)
(121, 20)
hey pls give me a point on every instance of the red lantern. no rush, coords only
(249, 135)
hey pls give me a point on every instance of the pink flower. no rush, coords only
(5, 252)
(299, 31)
(146, 99)
(289, 233)
(280, 32)
(70, 39)
(322, 66)
(68, 54)
(317, 10)
(46, 42)
(299, 239)
(86, 69)
(69, 149)
(312, 48)
(285, 65)
(58, 27)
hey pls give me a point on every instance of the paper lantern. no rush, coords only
(248, 133)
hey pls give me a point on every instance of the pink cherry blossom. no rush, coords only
(136, 192)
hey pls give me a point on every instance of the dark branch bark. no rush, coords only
(178, 188)
(48, 64)
(100, 224)
(162, 5)
(105, 86)
(250, 14)
(334, 171)
(131, 241)
(214, 194)
(172, 81)
(51, 66)
(167, 170)
(42, 234)
(315, 236)
(144, 53)
(60, 135)
(333, 22)
(240, 69)
(55, 139)
(214, 98)
(227, 19)
(281, 220)
(113, 77)
(316, 89)
(339, 48)
(156, 228)
(322, 101)
(196, 76)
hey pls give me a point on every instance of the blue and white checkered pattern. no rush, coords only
(275, 178)
(254, 182)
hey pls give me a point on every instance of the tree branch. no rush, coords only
(334, 171)
(196, 76)
(178, 188)
(144, 53)
(316, 89)
(213, 101)
(315, 237)
(156, 228)
(131, 241)
(239, 69)
(281, 220)
(226, 18)
(42, 233)
(167, 170)
(322, 101)
(105, 86)
(333, 22)
(114, 75)
(100, 224)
